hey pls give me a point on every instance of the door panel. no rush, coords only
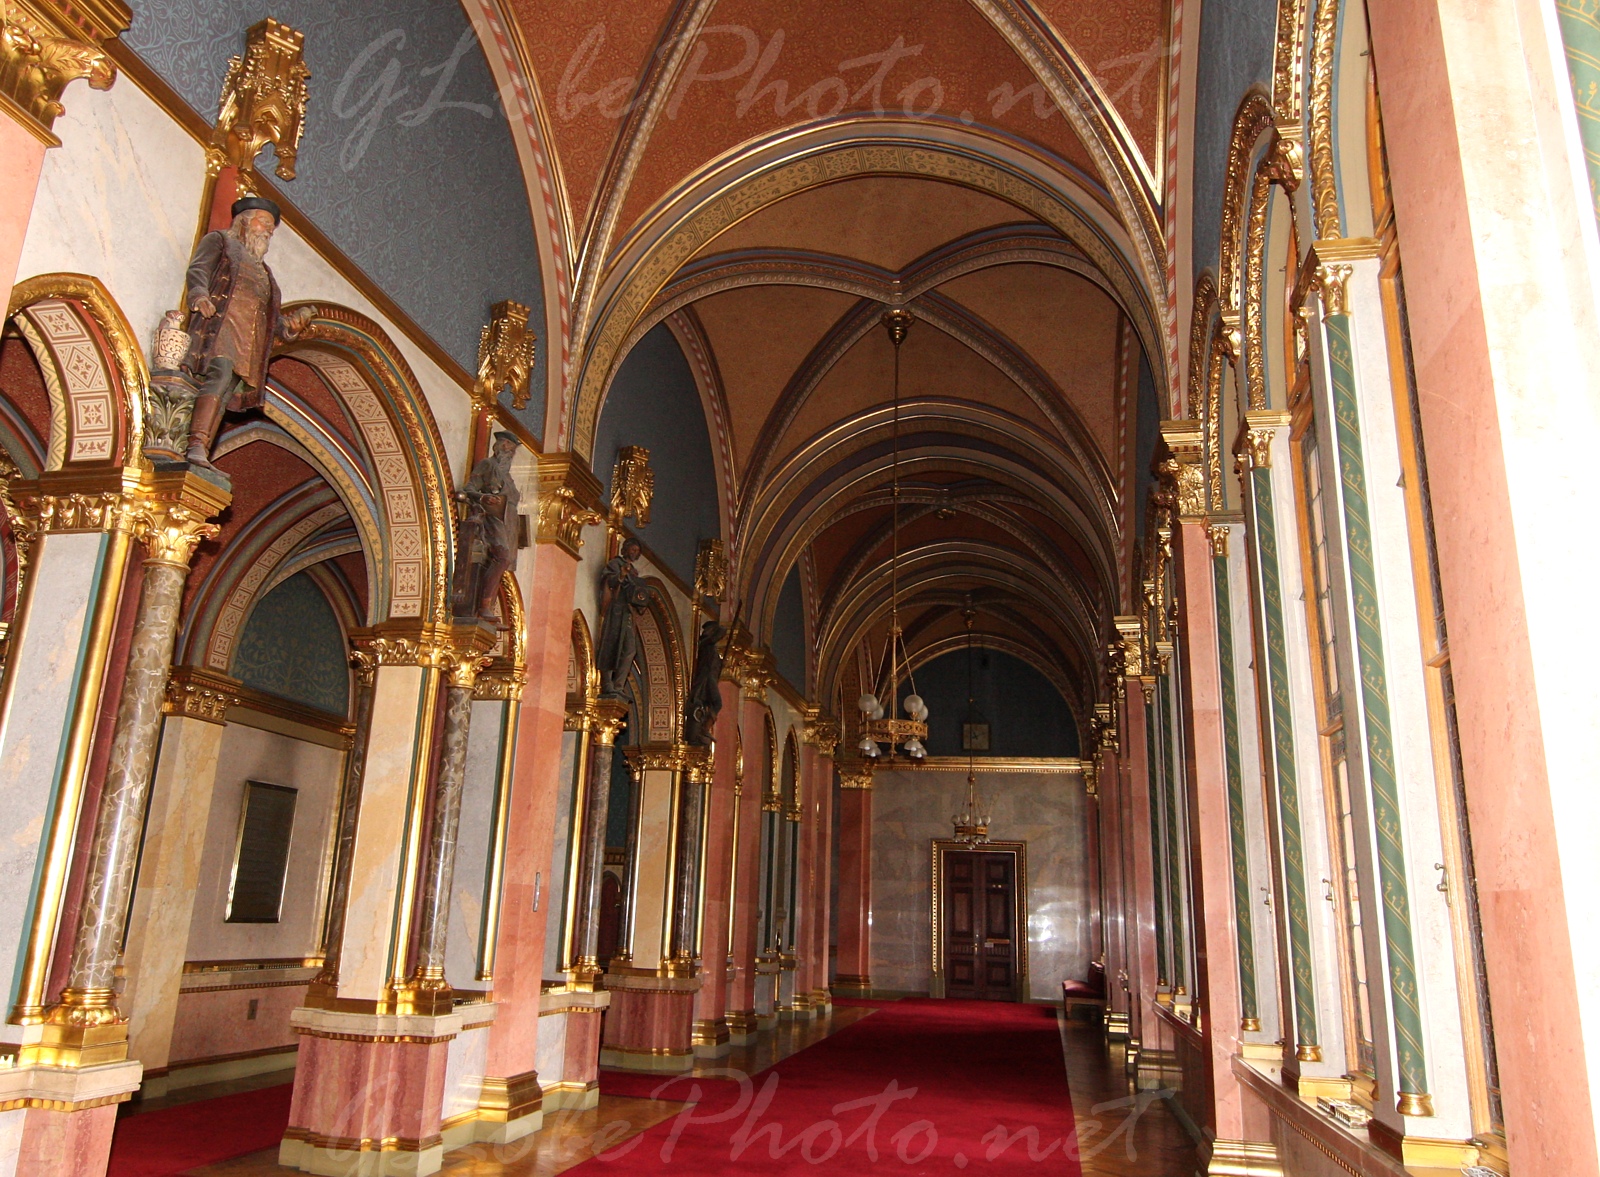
(980, 925)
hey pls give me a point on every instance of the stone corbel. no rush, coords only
(569, 500)
(1130, 630)
(194, 692)
(821, 731)
(45, 46)
(506, 353)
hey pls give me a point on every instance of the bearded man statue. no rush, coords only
(235, 319)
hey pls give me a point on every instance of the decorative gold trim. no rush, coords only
(1324, 181)
(506, 353)
(502, 1100)
(44, 47)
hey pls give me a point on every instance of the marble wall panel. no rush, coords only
(550, 1058)
(471, 888)
(118, 199)
(249, 754)
(217, 1023)
(375, 863)
(46, 658)
(554, 899)
(464, 1070)
(1045, 810)
(651, 855)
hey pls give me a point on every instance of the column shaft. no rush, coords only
(439, 876)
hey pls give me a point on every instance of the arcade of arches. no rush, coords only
(1019, 554)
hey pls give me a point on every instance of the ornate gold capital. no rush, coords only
(1254, 444)
(496, 685)
(855, 774)
(1333, 279)
(506, 352)
(197, 693)
(1130, 631)
(606, 719)
(1217, 533)
(668, 758)
(748, 665)
(821, 731)
(569, 497)
(448, 648)
(45, 47)
(263, 100)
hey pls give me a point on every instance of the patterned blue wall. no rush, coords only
(292, 647)
(1027, 716)
(1236, 39)
(407, 162)
(654, 402)
(788, 641)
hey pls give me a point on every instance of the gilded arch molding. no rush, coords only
(94, 369)
(405, 455)
(748, 183)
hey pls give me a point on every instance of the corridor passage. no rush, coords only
(906, 1087)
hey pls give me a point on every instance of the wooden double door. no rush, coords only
(980, 925)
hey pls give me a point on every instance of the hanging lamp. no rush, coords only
(880, 730)
(971, 824)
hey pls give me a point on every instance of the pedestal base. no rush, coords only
(62, 1117)
(651, 1023)
(376, 1095)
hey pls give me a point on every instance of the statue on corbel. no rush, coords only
(486, 538)
(211, 354)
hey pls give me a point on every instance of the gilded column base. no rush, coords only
(647, 1058)
(743, 1026)
(423, 996)
(1425, 1152)
(1116, 1024)
(509, 1108)
(82, 1030)
(710, 1031)
(849, 983)
(342, 1156)
(1243, 1158)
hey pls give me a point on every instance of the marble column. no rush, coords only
(822, 875)
(711, 1002)
(610, 715)
(855, 879)
(433, 910)
(85, 1020)
(326, 983)
(1143, 981)
(745, 934)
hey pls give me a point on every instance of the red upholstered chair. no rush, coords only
(1090, 993)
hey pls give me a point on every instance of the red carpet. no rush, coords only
(920, 1086)
(158, 1144)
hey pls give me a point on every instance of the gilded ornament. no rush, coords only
(1333, 279)
(1324, 182)
(1130, 632)
(633, 485)
(821, 731)
(1288, 61)
(1255, 267)
(44, 48)
(506, 353)
(200, 694)
(710, 571)
(263, 100)
(1252, 119)
(1217, 533)
(568, 499)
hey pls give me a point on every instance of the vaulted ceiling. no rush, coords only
(1024, 240)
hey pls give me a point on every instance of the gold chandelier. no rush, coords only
(879, 727)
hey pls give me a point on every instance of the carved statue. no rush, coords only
(234, 320)
(486, 544)
(705, 693)
(623, 595)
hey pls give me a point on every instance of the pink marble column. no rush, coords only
(1142, 979)
(23, 152)
(75, 1143)
(530, 833)
(711, 1002)
(855, 885)
(1210, 835)
(1113, 887)
(822, 880)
